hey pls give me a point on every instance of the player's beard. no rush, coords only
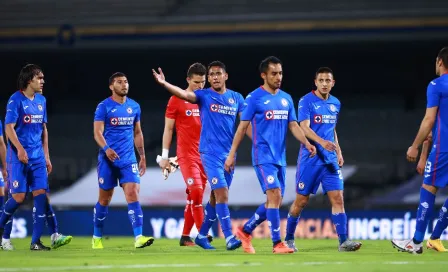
(121, 93)
(274, 86)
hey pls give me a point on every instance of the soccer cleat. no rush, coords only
(186, 241)
(246, 240)
(407, 246)
(7, 245)
(292, 245)
(233, 243)
(349, 246)
(143, 241)
(204, 243)
(61, 240)
(282, 248)
(38, 246)
(97, 243)
(436, 244)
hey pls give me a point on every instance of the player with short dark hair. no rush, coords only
(271, 112)
(185, 118)
(436, 169)
(219, 107)
(318, 113)
(116, 129)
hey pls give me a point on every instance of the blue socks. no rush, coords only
(423, 215)
(442, 222)
(39, 217)
(340, 222)
(99, 215)
(10, 207)
(209, 219)
(256, 219)
(52, 223)
(136, 217)
(273, 216)
(291, 225)
(222, 210)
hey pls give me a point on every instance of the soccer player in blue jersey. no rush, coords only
(116, 129)
(436, 170)
(271, 112)
(219, 108)
(318, 114)
(4, 173)
(28, 157)
(57, 239)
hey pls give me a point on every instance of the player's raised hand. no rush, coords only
(421, 166)
(159, 77)
(328, 145)
(412, 154)
(49, 166)
(142, 166)
(23, 156)
(112, 155)
(229, 165)
(311, 148)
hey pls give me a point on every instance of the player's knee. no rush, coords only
(301, 201)
(337, 201)
(274, 197)
(212, 199)
(430, 188)
(196, 194)
(131, 196)
(39, 192)
(19, 198)
(221, 195)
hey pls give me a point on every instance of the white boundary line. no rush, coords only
(149, 266)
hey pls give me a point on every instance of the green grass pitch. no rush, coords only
(167, 255)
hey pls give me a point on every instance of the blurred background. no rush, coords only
(382, 54)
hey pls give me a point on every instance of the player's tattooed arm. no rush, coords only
(423, 132)
(174, 90)
(140, 145)
(12, 136)
(310, 134)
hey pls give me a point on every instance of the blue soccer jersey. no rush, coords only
(218, 117)
(28, 116)
(119, 120)
(436, 170)
(323, 116)
(2, 181)
(270, 115)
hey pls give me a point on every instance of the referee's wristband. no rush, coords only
(106, 147)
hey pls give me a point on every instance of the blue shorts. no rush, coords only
(109, 176)
(217, 176)
(309, 177)
(271, 176)
(436, 169)
(27, 177)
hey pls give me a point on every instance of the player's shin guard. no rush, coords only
(52, 222)
(340, 222)
(99, 215)
(291, 225)
(209, 219)
(256, 219)
(196, 194)
(273, 216)
(39, 217)
(442, 222)
(10, 207)
(8, 229)
(424, 211)
(222, 209)
(188, 218)
(135, 214)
